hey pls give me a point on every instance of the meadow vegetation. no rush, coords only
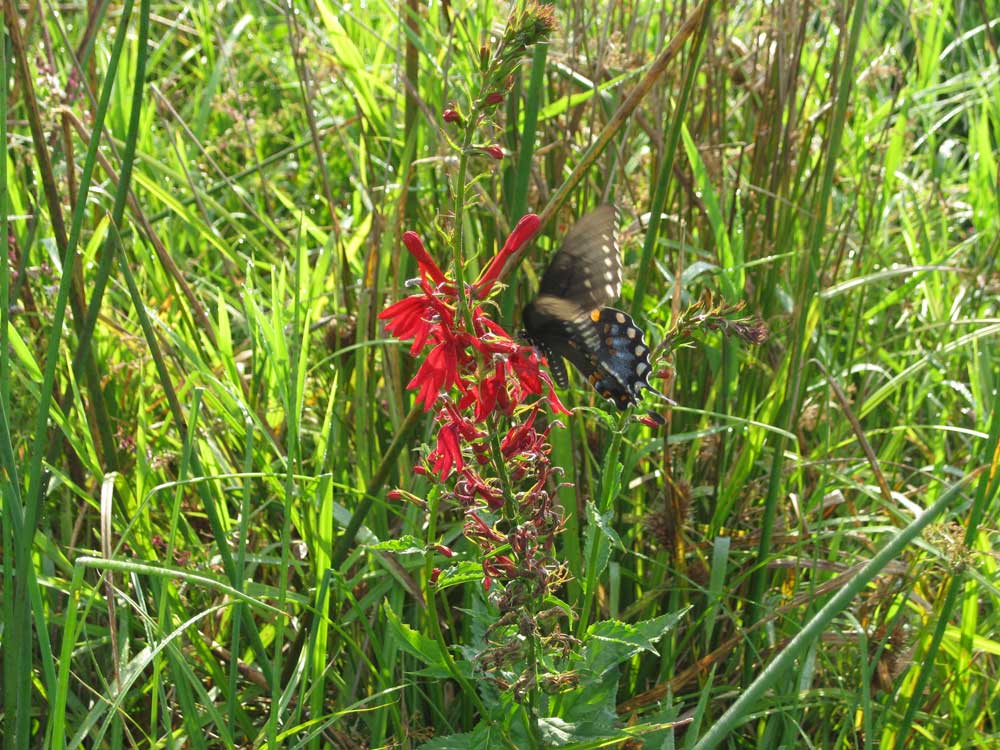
(239, 513)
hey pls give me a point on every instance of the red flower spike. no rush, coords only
(526, 228)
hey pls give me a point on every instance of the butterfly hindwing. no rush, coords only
(620, 368)
(569, 318)
(561, 329)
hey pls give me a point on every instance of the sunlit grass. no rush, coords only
(181, 459)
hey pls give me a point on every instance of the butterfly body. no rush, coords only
(570, 319)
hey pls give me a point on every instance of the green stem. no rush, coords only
(510, 504)
(432, 612)
(530, 716)
(608, 488)
(458, 242)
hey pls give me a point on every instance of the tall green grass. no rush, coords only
(200, 416)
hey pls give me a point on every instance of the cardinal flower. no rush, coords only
(483, 368)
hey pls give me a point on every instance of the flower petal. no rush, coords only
(427, 265)
(526, 228)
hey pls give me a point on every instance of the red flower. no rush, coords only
(438, 373)
(430, 317)
(490, 390)
(473, 486)
(412, 318)
(526, 228)
(424, 261)
(477, 528)
(482, 369)
(448, 452)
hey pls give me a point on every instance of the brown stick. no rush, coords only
(618, 119)
(623, 112)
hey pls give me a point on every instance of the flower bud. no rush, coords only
(493, 98)
(495, 151)
(452, 115)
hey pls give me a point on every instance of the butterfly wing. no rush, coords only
(588, 267)
(569, 320)
(561, 329)
(604, 344)
(620, 367)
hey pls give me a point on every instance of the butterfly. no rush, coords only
(569, 318)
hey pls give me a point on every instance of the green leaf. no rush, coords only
(425, 650)
(483, 737)
(611, 642)
(461, 573)
(403, 545)
(25, 357)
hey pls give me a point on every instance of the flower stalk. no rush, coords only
(493, 407)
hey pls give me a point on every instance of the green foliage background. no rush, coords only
(193, 414)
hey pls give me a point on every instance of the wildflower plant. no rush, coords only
(493, 408)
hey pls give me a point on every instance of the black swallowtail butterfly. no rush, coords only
(568, 319)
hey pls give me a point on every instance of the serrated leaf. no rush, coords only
(483, 737)
(610, 642)
(424, 649)
(460, 573)
(559, 733)
(404, 545)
